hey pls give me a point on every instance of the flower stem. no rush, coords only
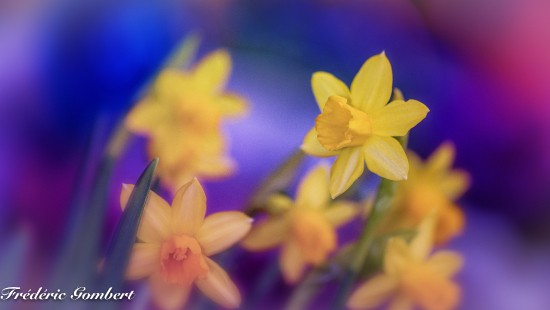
(382, 204)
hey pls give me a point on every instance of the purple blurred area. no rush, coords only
(481, 66)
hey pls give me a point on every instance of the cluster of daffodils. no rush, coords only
(359, 126)
(181, 116)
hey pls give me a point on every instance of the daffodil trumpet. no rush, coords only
(359, 126)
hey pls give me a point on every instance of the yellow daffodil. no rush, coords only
(358, 125)
(432, 186)
(305, 228)
(411, 277)
(182, 115)
(174, 245)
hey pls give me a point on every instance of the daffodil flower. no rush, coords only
(412, 277)
(304, 228)
(182, 115)
(175, 243)
(358, 126)
(432, 186)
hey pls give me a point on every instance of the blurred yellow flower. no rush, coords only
(174, 245)
(357, 125)
(432, 187)
(305, 228)
(412, 277)
(182, 115)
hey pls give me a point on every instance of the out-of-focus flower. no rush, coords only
(412, 277)
(305, 228)
(174, 245)
(432, 187)
(182, 115)
(357, 125)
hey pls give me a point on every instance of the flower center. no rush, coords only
(181, 260)
(314, 234)
(430, 290)
(341, 125)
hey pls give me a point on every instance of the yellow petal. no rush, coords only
(325, 85)
(450, 223)
(144, 261)
(312, 146)
(218, 286)
(212, 72)
(222, 230)
(292, 262)
(398, 117)
(373, 293)
(165, 295)
(167, 89)
(347, 168)
(397, 94)
(446, 263)
(397, 256)
(232, 105)
(341, 212)
(278, 203)
(442, 158)
(145, 117)
(372, 86)
(267, 234)
(455, 183)
(313, 189)
(385, 157)
(155, 220)
(422, 243)
(214, 166)
(401, 302)
(188, 208)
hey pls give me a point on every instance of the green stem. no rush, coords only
(382, 204)
(383, 200)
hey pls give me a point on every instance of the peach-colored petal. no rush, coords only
(291, 262)
(373, 293)
(313, 189)
(167, 296)
(267, 234)
(188, 208)
(218, 286)
(446, 263)
(341, 212)
(401, 302)
(222, 230)
(155, 220)
(144, 260)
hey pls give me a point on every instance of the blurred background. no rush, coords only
(481, 66)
